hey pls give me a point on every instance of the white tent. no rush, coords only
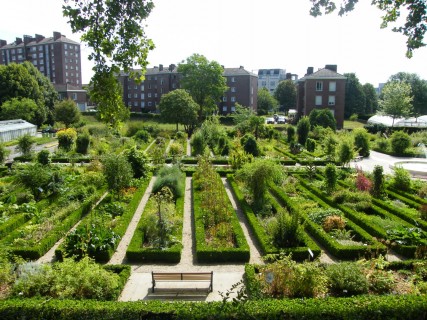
(13, 129)
(420, 122)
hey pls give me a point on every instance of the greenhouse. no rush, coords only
(13, 129)
(420, 122)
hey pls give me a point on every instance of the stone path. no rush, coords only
(188, 148)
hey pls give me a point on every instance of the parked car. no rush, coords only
(270, 120)
(281, 119)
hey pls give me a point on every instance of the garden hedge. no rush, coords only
(136, 253)
(412, 307)
(264, 241)
(408, 195)
(210, 254)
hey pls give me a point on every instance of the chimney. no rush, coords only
(172, 67)
(18, 41)
(288, 76)
(242, 67)
(39, 37)
(27, 39)
(2, 43)
(332, 67)
(309, 70)
(160, 67)
(56, 35)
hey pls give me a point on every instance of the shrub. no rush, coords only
(43, 157)
(378, 181)
(310, 145)
(66, 138)
(25, 145)
(361, 142)
(400, 141)
(362, 182)
(82, 143)
(133, 127)
(319, 215)
(198, 143)
(142, 135)
(3, 153)
(323, 118)
(138, 161)
(401, 179)
(303, 128)
(180, 135)
(290, 133)
(383, 144)
(170, 177)
(333, 223)
(347, 279)
(250, 145)
(287, 230)
(330, 178)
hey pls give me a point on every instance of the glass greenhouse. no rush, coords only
(13, 129)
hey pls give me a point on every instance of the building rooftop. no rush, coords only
(10, 125)
(237, 72)
(323, 74)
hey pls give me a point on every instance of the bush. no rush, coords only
(401, 179)
(383, 144)
(43, 157)
(303, 128)
(361, 142)
(330, 178)
(400, 141)
(323, 118)
(139, 162)
(287, 230)
(25, 145)
(378, 182)
(66, 138)
(250, 145)
(82, 143)
(311, 145)
(170, 177)
(333, 223)
(142, 135)
(198, 143)
(347, 279)
(290, 133)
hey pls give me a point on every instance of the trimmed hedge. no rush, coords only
(367, 307)
(12, 223)
(57, 159)
(264, 241)
(54, 235)
(136, 253)
(208, 254)
(334, 247)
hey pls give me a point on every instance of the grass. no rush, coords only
(352, 124)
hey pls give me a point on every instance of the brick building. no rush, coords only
(323, 89)
(159, 80)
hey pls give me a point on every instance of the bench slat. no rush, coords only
(182, 276)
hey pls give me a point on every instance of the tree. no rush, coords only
(204, 81)
(418, 90)
(286, 94)
(117, 171)
(345, 151)
(371, 98)
(3, 153)
(113, 29)
(323, 118)
(303, 128)
(414, 28)
(354, 96)
(397, 100)
(66, 111)
(20, 108)
(266, 103)
(25, 145)
(178, 107)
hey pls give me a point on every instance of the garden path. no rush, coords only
(120, 254)
(149, 146)
(188, 148)
(50, 255)
(169, 145)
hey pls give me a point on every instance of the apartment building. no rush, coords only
(270, 78)
(159, 80)
(323, 89)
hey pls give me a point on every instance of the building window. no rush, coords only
(142, 87)
(142, 104)
(142, 96)
(135, 95)
(65, 46)
(332, 86)
(233, 79)
(233, 99)
(263, 83)
(41, 62)
(318, 100)
(319, 86)
(66, 74)
(75, 96)
(224, 99)
(233, 109)
(40, 54)
(66, 52)
(129, 95)
(135, 87)
(224, 108)
(149, 95)
(272, 83)
(155, 95)
(41, 69)
(135, 103)
(331, 100)
(40, 48)
(149, 86)
(233, 89)
(150, 103)
(20, 50)
(161, 81)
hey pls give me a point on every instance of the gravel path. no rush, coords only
(188, 148)
(120, 254)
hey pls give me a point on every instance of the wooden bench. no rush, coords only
(183, 277)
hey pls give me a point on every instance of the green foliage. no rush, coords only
(418, 89)
(138, 161)
(35, 177)
(25, 145)
(82, 142)
(250, 145)
(142, 135)
(371, 98)
(204, 81)
(290, 133)
(310, 145)
(323, 118)
(355, 99)
(266, 103)
(170, 177)
(303, 128)
(67, 112)
(361, 142)
(397, 100)
(3, 153)
(286, 94)
(345, 150)
(117, 171)
(22, 108)
(198, 143)
(347, 279)
(319, 215)
(400, 141)
(256, 176)
(330, 143)
(67, 280)
(331, 178)
(66, 138)
(401, 179)
(44, 157)
(287, 230)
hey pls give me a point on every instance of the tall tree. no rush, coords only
(113, 29)
(266, 103)
(286, 94)
(371, 98)
(67, 112)
(397, 100)
(354, 96)
(24, 108)
(418, 90)
(178, 107)
(414, 28)
(205, 82)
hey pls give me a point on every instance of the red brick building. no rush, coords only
(323, 89)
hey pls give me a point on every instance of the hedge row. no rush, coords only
(208, 253)
(57, 159)
(264, 241)
(54, 235)
(358, 219)
(331, 245)
(12, 223)
(408, 195)
(367, 307)
(296, 159)
(136, 253)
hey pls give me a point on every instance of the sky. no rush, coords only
(250, 33)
